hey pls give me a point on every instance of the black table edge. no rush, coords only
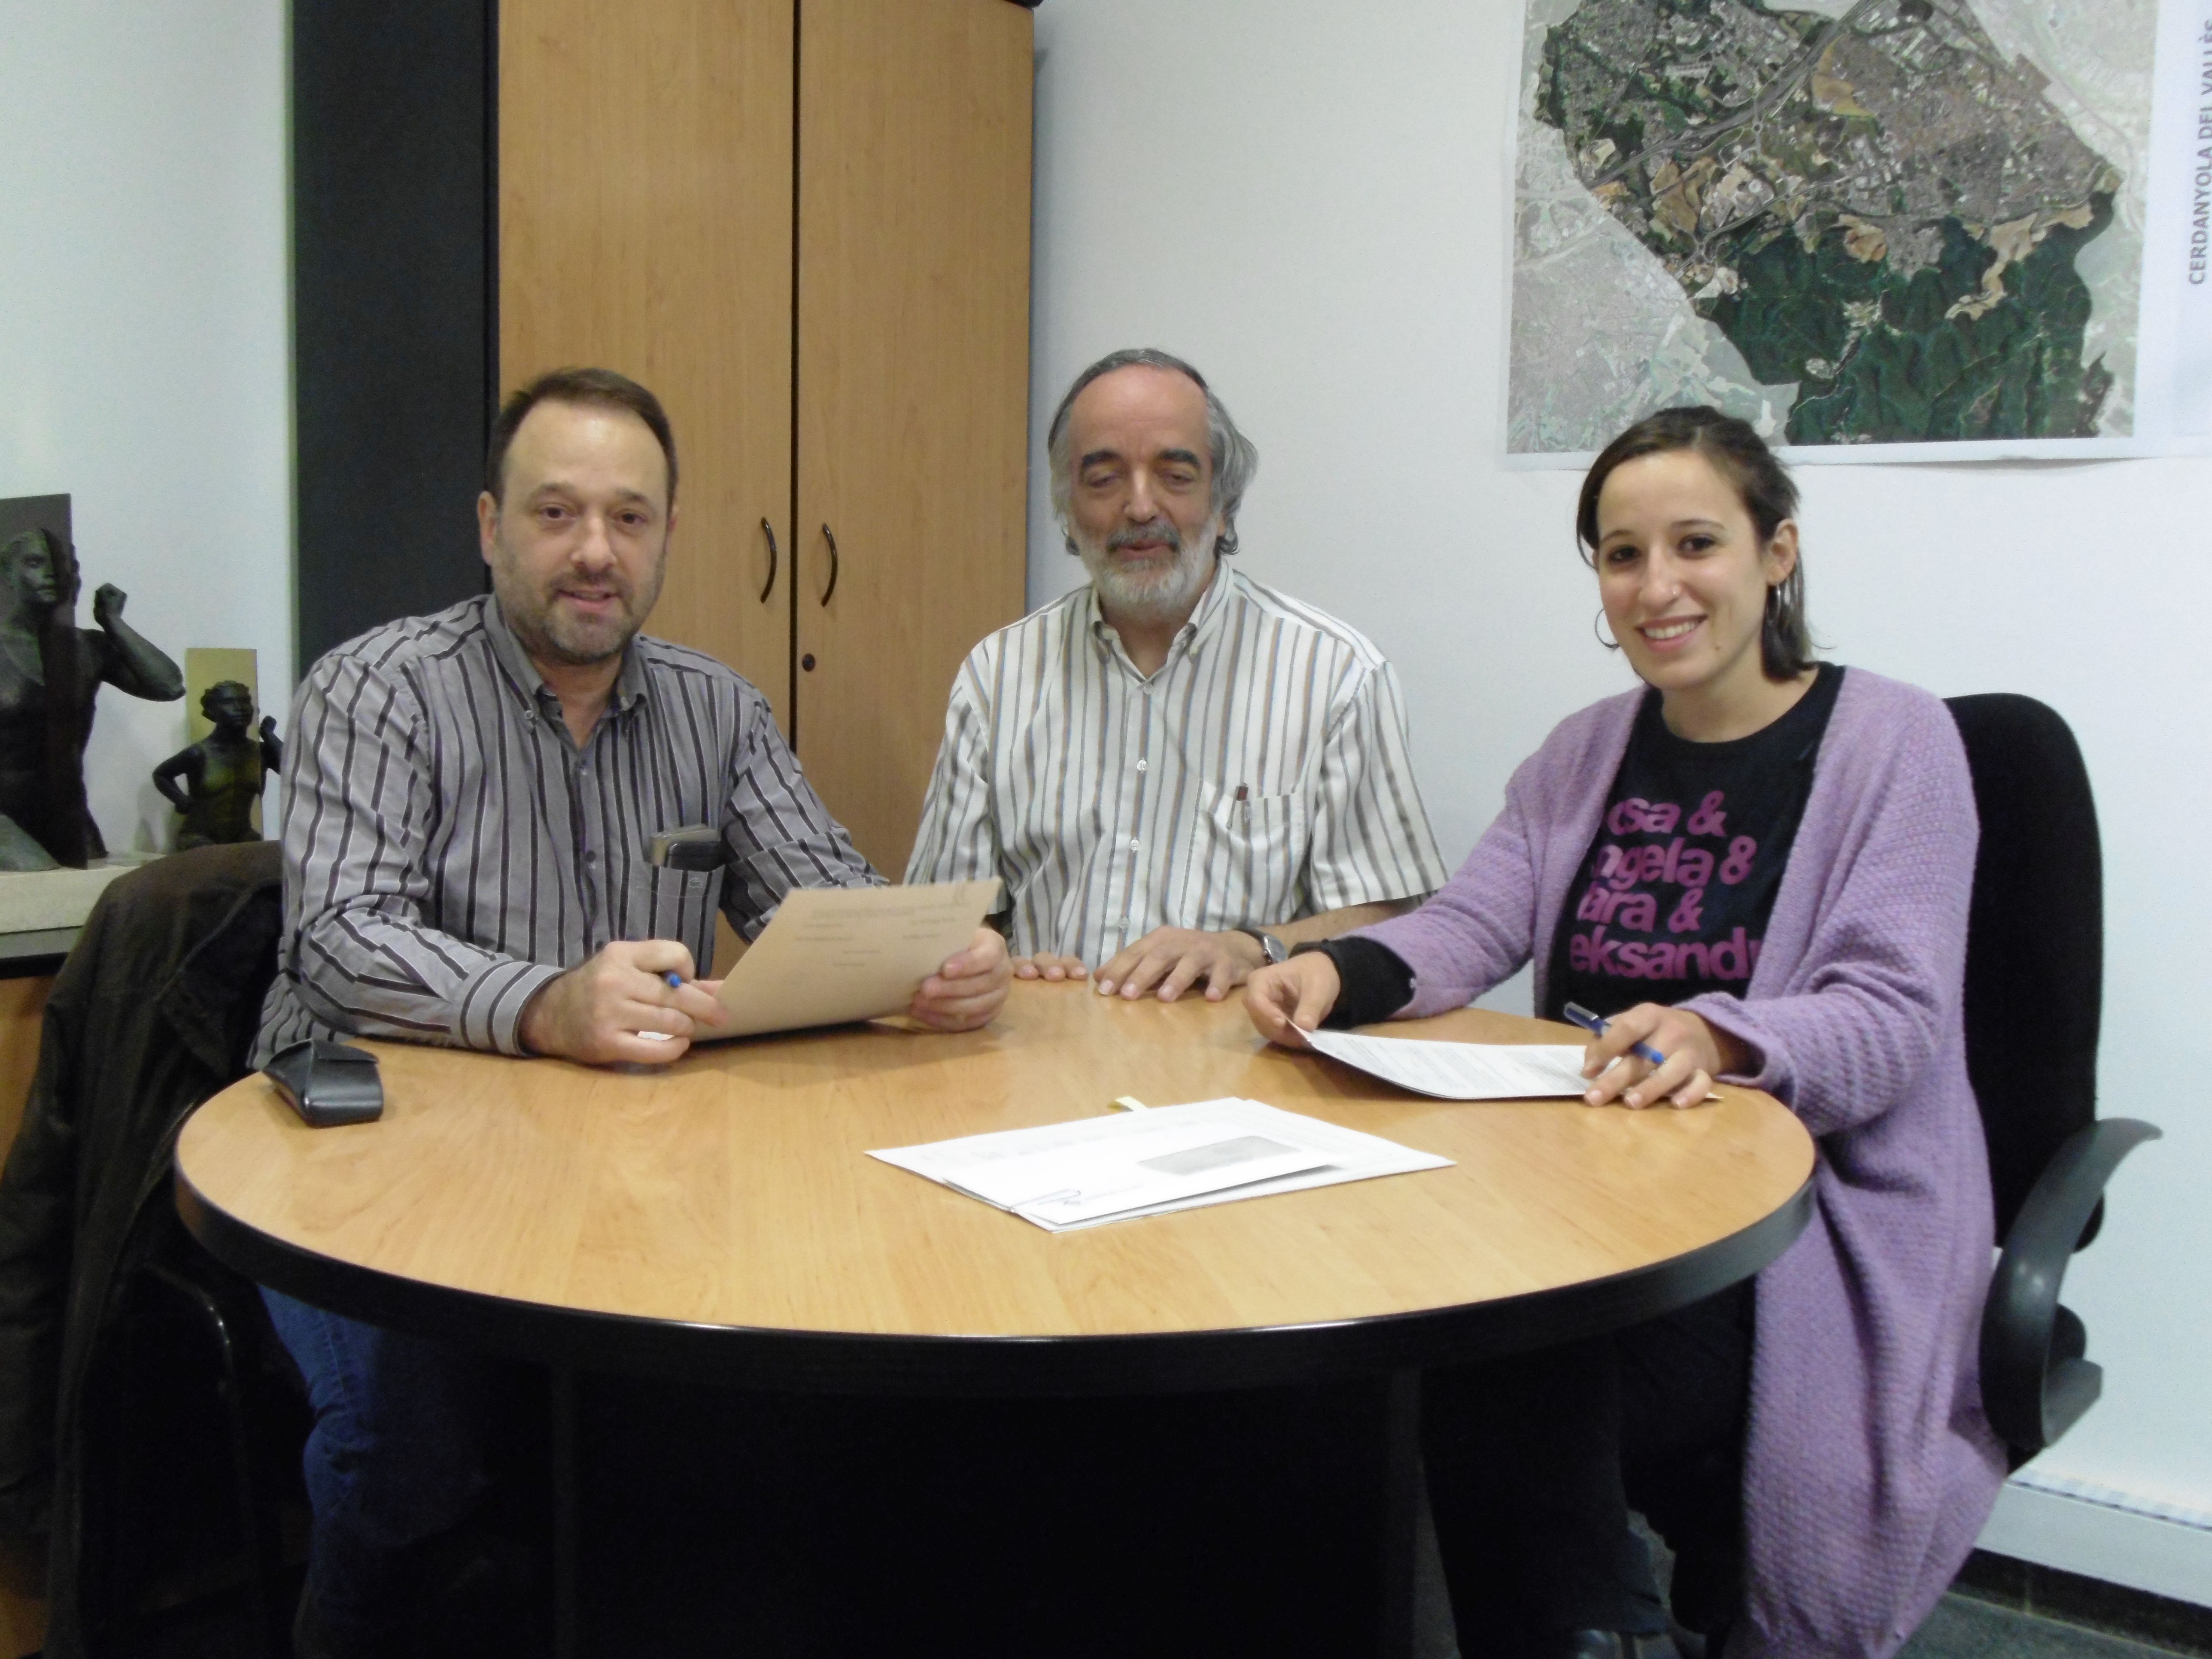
(817, 1362)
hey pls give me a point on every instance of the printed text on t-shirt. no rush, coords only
(1629, 893)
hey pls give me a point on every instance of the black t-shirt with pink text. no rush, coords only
(1673, 898)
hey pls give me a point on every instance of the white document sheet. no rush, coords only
(1461, 1071)
(1065, 1175)
(832, 954)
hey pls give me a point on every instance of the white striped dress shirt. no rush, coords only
(1261, 775)
(449, 848)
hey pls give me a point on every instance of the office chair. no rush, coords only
(2035, 983)
(197, 1414)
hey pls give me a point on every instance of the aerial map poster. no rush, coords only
(1876, 229)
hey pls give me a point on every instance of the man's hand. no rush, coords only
(967, 990)
(595, 1011)
(1176, 958)
(107, 601)
(1291, 995)
(1044, 965)
(1696, 1054)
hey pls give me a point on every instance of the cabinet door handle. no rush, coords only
(768, 531)
(832, 540)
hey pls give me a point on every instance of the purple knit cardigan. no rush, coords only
(1869, 1467)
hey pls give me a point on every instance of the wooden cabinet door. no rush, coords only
(645, 197)
(22, 1022)
(914, 263)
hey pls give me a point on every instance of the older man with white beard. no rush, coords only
(1179, 774)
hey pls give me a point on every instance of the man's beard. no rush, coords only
(551, 632)
(1162, 593)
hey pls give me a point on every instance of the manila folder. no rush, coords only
(834, 954)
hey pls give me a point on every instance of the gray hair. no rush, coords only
(1232, 454)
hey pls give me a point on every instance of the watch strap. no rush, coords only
(1270, 946)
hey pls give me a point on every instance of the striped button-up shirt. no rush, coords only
(449, 848)
(1261, 775)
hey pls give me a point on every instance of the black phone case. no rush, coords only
(328, 1084)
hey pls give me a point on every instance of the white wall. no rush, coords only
(145, 336)
(1309, 199)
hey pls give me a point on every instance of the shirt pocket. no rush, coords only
(1249, 858)
(675, 904)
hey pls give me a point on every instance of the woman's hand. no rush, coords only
(1298, 993)
(1696, 1054)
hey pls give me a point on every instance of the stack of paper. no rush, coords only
(1064, 1176)
(1462, 1070)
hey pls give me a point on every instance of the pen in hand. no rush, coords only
(1595, 1025)
(674, 983)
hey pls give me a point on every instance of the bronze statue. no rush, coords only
(223, 772)
(51, 670)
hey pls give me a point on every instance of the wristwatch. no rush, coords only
(1270, 946)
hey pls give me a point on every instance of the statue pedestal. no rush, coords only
(41, 910)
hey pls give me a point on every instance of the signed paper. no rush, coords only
(1461, 1071)
(832, 954)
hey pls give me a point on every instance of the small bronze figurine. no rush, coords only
(223, 772)
(51, 670)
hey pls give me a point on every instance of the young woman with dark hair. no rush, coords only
(1759, 867)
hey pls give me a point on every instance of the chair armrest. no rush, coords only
(2035, 1382)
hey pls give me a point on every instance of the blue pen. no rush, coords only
(1595, 1025)
(674, 983)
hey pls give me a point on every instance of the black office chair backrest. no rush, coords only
(2035, 943)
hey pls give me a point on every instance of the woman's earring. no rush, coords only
(1611, 645)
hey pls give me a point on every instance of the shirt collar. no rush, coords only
(631, 684)
(1204, 621)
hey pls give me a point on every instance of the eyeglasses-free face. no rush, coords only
(1684, 577)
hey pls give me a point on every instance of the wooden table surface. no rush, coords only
(641, 1216)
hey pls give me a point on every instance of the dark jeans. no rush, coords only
(1535, 1461)
(396, 1456)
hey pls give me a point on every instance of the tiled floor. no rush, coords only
(1962, 1628)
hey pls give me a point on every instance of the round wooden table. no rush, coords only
(717, 1220)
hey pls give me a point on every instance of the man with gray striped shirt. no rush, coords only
(471, 795)
(1177, 772)
(468, 801)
